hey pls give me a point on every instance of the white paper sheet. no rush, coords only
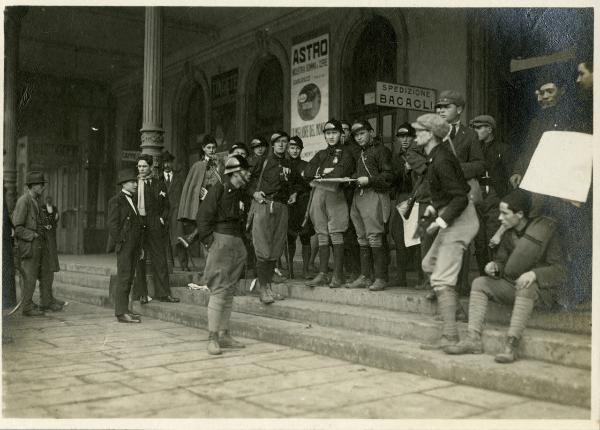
(410, 227)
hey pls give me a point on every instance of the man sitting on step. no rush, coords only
(528, 268)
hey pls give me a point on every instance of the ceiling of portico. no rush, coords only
(107, 43)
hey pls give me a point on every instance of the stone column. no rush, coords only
(12, 26)
(152, 131)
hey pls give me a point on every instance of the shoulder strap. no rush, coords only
(452, 147)
(258, 184)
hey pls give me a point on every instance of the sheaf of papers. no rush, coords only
(410, 226)
(561, 166)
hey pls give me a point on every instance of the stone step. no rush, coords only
(89, 280)
(531, 378)
(92, 296)
(560, 348)
(411, 300)
(88, 268)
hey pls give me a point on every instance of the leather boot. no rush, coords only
(213, 343)
(363, 280)
(338, 267)
(380, 259)
(264, 294)
(510, 351)
(291, 251)
(226, 341)
(305, 261)
(471, 345)
(321, 278)
(444, 343)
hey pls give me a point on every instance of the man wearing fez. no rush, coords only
(153, 208)
(174, 184)
(329, 209)
(220, 228)
(494, 185)
(464, 143)
(203, 174)
(274, 185)
(371, 205)
(125, 230)
(32, 241)
(528, 268)
(298, 211)
(451, 215)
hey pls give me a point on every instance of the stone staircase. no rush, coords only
(381, 329)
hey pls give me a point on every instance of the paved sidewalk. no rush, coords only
(81, 363)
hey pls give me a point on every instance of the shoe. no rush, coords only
(361, 282)
(443, 343)
(54, 307)
(335, 282)
(226, 341)
(168, 299)
(319, 280)
(126, 318)
(60, 302)
(471, 345)
(213, 343)
(144, 300)
(133, 314)
(265, 296)
(378, 285)
(183, 242)
(509, 354)
(278, 278)
(276, 296)
(34, 313)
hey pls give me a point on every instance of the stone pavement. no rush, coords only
(82, 363)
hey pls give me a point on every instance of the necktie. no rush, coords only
(453, 132)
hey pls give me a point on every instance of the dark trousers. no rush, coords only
(127, 259)
(404, 254)
(153, 238)
(487, 211)
(37, 267)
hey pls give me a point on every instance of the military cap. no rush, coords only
(277, 135)
(450, 97)
(297, 141)
(257, 141)
(126, 175)
(235, 163)
(333, 124)
(35, 177)
(237, 145)
(360, 125)
(483, 120)
(167, 156)
(405, 129)
(434, 123)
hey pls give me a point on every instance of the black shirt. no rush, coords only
(375, 162)
(279, 180)
(449, 189)
(495, 154)
(298, 165)
(337, 157)
(221, 211)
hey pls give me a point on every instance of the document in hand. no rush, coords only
(561, 166)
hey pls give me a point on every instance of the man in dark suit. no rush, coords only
(173, 181)
(125, 229)
(153, 208)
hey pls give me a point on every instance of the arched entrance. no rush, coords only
(265, 106)
(194, 125)
(372, 59)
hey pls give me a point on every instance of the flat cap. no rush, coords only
(450, 97)
(297, 141)
(277, 135)
(434, 123)
(235, 163)
(484, 120)
(237, 145)
(257, 141)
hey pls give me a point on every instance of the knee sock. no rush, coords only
(521, 312)
(215, 311)
(477, 309)
(447, 309)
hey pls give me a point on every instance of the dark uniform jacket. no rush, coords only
(402, 180)
(375, 162)
(449, 189)
(156, 199)
(222, 211)
(353, 148)
(279, 180)
(124, 224)
(468, 151)
(298, 209)
(337, 157)
(496, 156)
(536, 249)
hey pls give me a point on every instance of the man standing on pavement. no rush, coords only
(329, 209)
(220, 229)
(528, 268)
(494, 185)
(274, 185)
(174, 184)
(125, 229)
(371, 205)
(451, 215)
(153, 208)
(298, 210)
(464, 143)
(32, 242)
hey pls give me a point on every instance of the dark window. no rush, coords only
(267, 115)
